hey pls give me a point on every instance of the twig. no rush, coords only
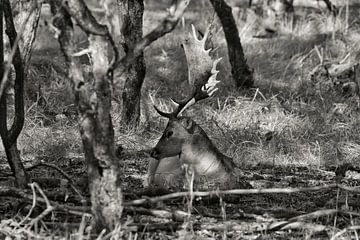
(18, 193)
(49, 207)
(71, 183)
(240, 192)
(32, 206)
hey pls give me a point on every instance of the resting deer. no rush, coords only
(184, 141)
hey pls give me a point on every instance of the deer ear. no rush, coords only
(188, 124)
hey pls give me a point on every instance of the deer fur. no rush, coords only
(185, 143)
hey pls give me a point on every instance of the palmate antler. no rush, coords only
(201, 73)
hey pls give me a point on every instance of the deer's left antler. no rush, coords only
(202, 73)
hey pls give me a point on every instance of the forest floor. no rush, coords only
(284, 133)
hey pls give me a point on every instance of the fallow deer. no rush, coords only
(184, 141)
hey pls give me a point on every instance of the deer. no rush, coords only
(184, 142)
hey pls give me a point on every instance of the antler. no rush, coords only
(201, 73)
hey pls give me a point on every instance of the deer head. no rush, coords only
(183, 131)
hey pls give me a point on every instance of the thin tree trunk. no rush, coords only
(26, 15)
(131, 20)
(241, 72)
(331, 7)
(9, 137)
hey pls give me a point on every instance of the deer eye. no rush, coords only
(169, 134)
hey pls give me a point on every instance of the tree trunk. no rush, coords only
(241, 72)
(94, 100)
(26, 15)
(131, 19)
(9, 137)
(94, 103)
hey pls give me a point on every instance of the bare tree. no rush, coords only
(27, 34)
(241, 72)
(131, 18)
(93, 98)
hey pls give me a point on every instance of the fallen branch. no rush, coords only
(6, 191)
(240, 192)
(175, 215)
(151, 227)
(254, 227)
(66, 176)
(310, 216)
(351, 228)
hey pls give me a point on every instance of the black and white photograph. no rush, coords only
(180, 119)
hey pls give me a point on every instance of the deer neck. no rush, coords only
(203, 157)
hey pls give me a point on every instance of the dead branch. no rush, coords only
(310, 216)
(166, 26)
(6, 191)
(151, 227)
(351, 228)
(66, 176)
(240, 192)
(175, 215)
(222, 226)
(321, 213)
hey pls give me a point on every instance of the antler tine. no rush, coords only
(206, 34)
(180, 106)
(193, 35)
(164, 114)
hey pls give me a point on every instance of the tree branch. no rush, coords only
(168, 24)
(87, 22)
(6, 191)
(3, 105)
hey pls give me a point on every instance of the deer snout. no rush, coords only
(155, 154)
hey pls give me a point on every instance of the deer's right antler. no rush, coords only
(201, 73)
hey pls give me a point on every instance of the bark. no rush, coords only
(9, 137)
(132, 22)
(94, 102)
(26, 15)
(241, 72)
(331, 7)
